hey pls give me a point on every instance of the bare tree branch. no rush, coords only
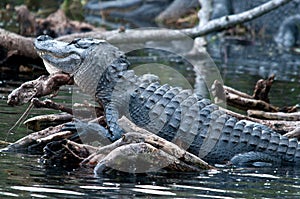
(227, 21)
(24, 46)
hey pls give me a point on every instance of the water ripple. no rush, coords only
(47, 190)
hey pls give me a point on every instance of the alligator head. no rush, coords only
(86, 59)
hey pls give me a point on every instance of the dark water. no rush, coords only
(23, 177)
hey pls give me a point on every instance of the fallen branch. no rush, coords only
(30, 140)
(51, 105)
(294, 134)
(143, 149)
(258, 101)
(41, 122)
(240, 100)
(17, 44)
(42, 86)
(24, 46)
(274, 116)
(280, 126)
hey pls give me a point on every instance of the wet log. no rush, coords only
(41, 86)
(66, 153)
(16, 44)
(26, 143)
(41, 122)
(142, 158)
(141, 149)
(161, 143)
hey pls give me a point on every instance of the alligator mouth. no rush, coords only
(57, 55)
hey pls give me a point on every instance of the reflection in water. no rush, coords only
(21, 178)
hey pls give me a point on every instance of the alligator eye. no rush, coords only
(75, 41)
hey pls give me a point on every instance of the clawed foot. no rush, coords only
(88, 132)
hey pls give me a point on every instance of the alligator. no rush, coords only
(175, 114)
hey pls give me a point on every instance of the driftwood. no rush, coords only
(274, 116)
(280, 126)
(42, 86)
(30, 140)
(137, 151)
(294, 133)
(258, 101)
(40, 122)
(23, 46)
(50, 104)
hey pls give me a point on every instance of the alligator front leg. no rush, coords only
(112, 116)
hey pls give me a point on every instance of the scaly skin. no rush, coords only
(178, 115)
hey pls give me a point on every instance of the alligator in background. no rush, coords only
(177, 115)
(283, 24)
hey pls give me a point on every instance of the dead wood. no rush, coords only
(274, 116)
(143, 149)
(141, 158)
(57, 24)
(41, 86)
(41, 122)
(280, 126)
(294, 133)
(262, 88)
(26, 20)
(161, 143)
(177, 9)
(66, 153)
(30, 140)
(51, 105)
(24, 46)
(16, 44)
(258, 101)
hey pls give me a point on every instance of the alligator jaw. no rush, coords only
(62, 56)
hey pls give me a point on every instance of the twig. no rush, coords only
(50, 104)
(23, 116)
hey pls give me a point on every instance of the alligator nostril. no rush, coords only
(43, 38)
